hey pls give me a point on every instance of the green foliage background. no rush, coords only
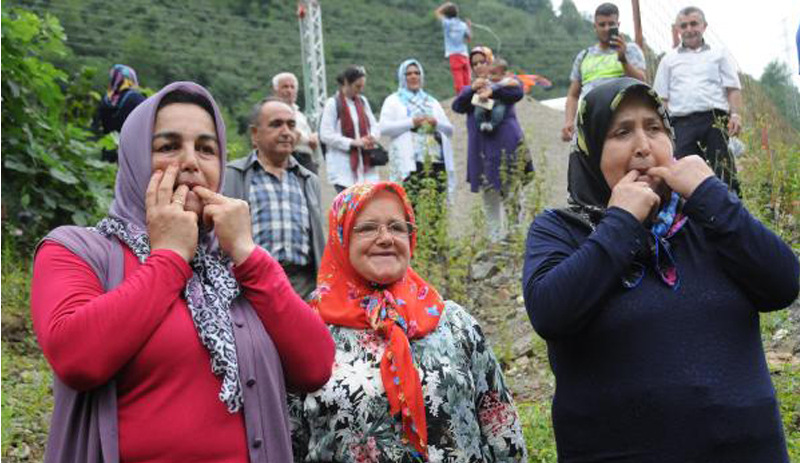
(51, 167)
(234, 46)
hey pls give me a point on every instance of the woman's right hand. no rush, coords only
(479, 83)
(635, 197)
(367, 142)
(684, 175)
(168, 225)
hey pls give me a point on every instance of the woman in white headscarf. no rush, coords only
(420, 132)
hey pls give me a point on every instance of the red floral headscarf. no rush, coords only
(406, 309)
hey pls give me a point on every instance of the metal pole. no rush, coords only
(309, 17)
(637, 24)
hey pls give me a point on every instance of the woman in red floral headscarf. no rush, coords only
(414, 377)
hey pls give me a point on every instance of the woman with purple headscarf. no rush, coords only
(122, 96)
(170, 333)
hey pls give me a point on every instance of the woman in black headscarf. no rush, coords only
(648, 290)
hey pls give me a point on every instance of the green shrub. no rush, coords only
(771, 186)
(538, 431)
(787, 387)
(441, 257)
(51, 167)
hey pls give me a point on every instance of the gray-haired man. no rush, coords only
(700, 85)
(284, 87)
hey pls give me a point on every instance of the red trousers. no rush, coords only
(459, 67)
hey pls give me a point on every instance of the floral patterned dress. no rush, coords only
(470, 413)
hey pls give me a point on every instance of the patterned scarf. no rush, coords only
(589, 192)
(120, 78)
(209, 293)
(349, 130)
(419, 103)
(667, 224)
(406, 309)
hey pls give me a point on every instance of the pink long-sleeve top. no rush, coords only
(141, 334)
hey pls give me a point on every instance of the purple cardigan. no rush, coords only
(84, 429)
(484, 152)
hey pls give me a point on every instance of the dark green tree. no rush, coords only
(776, 80)
(571, 18)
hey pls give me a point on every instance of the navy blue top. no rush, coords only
(656, 374)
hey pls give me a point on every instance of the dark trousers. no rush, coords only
(493, 116)
(413, 184)
(306, 160)
(302, 277)
(706, 134)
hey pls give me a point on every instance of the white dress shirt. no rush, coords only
(696, 80)
(338, 146)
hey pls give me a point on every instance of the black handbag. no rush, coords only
(378, 156)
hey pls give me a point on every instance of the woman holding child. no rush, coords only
(496, 144)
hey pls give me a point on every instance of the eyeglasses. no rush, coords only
(371, 230)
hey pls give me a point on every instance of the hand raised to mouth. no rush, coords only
(230, 219)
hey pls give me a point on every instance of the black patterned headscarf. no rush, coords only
(588, 190)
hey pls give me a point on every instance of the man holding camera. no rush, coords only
(700, 85)
(608, 59)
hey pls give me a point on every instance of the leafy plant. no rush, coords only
(538, 431)
(440, 257)
(51, 168)
(787, 388)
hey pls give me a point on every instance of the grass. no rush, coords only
(26, 378)
(538, 431)
(786, 379)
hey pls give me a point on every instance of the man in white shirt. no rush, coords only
(284, 87)
(700, 85)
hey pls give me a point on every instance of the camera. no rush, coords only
(613, 33)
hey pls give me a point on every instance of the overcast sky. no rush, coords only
(754, 32)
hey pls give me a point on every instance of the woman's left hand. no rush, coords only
(684, 175)
(432, 121)
(231, 220)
